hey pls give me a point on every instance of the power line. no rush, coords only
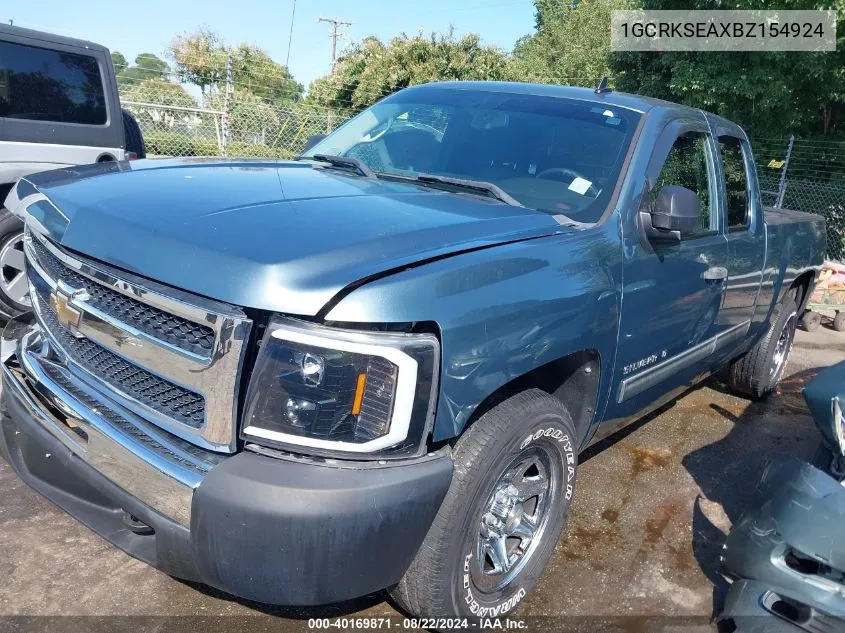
(290, 35)
(335, 24)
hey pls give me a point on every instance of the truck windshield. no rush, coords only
(560, 156)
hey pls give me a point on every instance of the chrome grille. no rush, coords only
(196, 459)
(172, 358)
(189, 336)
(163, 396)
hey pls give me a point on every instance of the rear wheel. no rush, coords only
(759, 370)
(14, 289)
(502, 516)
(133, 136)
(839, 322)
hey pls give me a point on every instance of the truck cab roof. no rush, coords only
(621, 99)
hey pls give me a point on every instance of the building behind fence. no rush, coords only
(801, 174)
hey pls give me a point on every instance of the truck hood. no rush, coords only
(281, 236)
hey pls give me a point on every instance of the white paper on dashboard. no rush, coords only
(580, 185)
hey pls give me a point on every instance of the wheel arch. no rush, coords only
(801, 286)
(572, 379)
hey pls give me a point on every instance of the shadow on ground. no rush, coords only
(727, 471)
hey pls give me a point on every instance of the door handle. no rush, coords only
(716, 273)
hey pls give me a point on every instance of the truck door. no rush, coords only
(672, 293)
(745, 230)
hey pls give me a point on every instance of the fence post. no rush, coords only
(782, 182)
(224, 118)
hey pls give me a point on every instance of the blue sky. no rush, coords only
(149, 25)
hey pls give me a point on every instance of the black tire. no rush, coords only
(755, 374)
(133, 136)
(11, 239)
(811, 321)
(839, 322)
(443, 580)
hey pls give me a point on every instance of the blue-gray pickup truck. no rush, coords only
(374, 366)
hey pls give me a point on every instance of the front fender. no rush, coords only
(503, 312)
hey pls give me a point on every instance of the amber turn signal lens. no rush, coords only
(359, 394)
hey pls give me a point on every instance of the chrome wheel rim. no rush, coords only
(13, 281)
(782, 347)
(514, 518)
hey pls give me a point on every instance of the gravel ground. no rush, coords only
(652, 507)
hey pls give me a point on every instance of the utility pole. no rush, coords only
(335, 25)
(224, 118)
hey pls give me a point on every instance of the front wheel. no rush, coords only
(759, 370)
(503, 514)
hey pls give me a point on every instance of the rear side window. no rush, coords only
(46, 85)
(736, 181)
(687, 166)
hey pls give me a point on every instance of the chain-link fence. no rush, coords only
(254, 130)
(806, 175)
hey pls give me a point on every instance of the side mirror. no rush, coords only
(312, 141)
(676, 210)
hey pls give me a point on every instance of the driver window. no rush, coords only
(687, 165)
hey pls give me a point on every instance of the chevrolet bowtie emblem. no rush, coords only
(68, 315)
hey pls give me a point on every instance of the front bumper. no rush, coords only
(789, 549)
(259, 527)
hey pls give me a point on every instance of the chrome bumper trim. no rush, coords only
(125, 449)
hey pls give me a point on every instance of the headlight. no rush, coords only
(342, 391)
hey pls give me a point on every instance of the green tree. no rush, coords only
(150, 66)
(571, 44)
(370, 69)
(254, 70)
(200, 58)
(147, 66)
(769, 93)
(118, 61)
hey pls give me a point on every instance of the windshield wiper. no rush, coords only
(344, 162)
(473, 185)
